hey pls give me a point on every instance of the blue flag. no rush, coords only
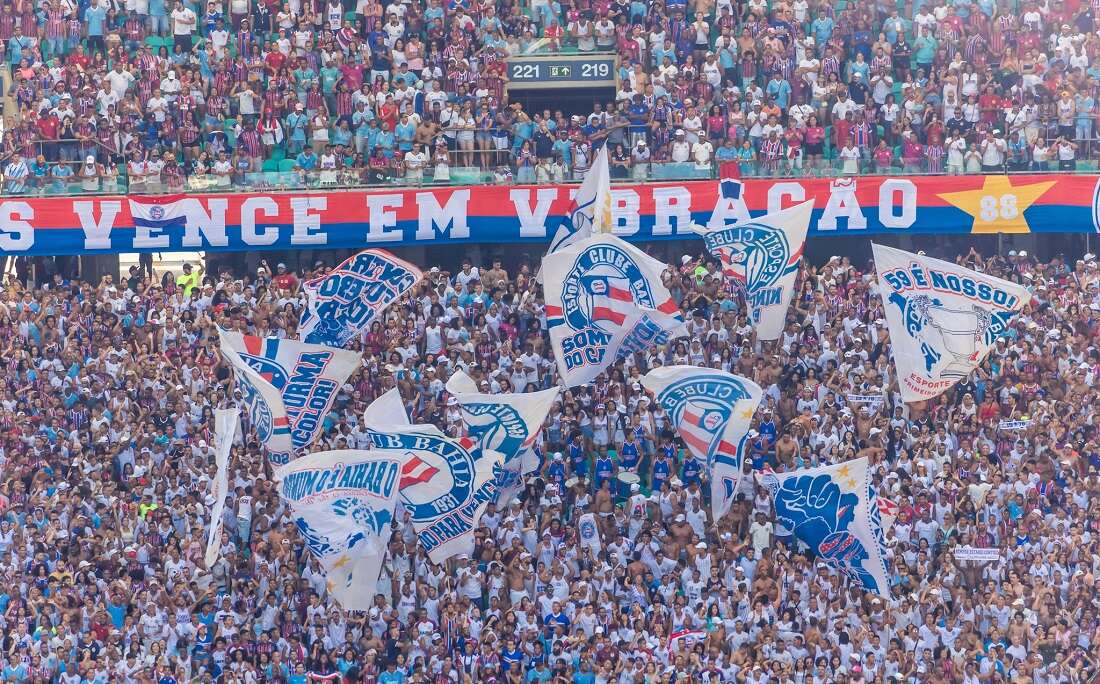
(829, 509)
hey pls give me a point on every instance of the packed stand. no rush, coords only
(180, 95)
(107, 465)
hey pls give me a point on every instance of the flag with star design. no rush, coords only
(343, 505)
(829, 510)
(712, 411)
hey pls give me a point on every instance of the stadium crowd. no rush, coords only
(107, 469)
(341, 91)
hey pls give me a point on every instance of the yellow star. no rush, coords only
(344, 560)
(844, 471)
(747, 414)
(851, 483)
(998, 206)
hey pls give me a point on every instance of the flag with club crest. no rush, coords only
(445, 484)
(506, 423)
(712, 412)
(264, 404)
(760, 258)
(831, 510)
(605, 300)
(307, 377)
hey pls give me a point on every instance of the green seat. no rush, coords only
(287, 165)
(270, 166)
(229, 125)
(278, 153)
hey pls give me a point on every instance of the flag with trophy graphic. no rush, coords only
(830, 510)
(605, 300)
(943, 318)
(343, 505)
(760, 258)
(506, 423)
(712, 412)
(346, 300)
(225, 430)
(307, 377)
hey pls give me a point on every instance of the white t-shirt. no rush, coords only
(183, 22)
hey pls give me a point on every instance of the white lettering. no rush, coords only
(203, 225)
(729, 211)
(381, 219)
(842, 204)
(249, 208)
(789, 190)
(625, 205)
(16, 235)
(671, 203)
(306, 224)
(449, 220)
(532, 222)
(97, 233)
(886, 195)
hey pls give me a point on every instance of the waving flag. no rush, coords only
(345, 301)
(829, 509)
(343, 504)
(445, 484)
(225, 430)
(760, 258)
(388, 409)
(306, 376)
(590, 533)
(590, 211)
(505, 423)
(887, 511)
(943, 318)
(605, 300)
(264, 403)
(161, 213)
(712, 412)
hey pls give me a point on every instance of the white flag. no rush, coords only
(343, 504)
(445, 484)
(388, 409)
(590, 211)
(590, 533)
(943, 318)
(760, 258)
(346, 300)
(712, 412)
(307, 377)
(225, 430)
(604, 300)
(264, 403)
(505, 423)
(830, 510)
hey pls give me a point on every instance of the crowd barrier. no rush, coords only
(396, 217)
